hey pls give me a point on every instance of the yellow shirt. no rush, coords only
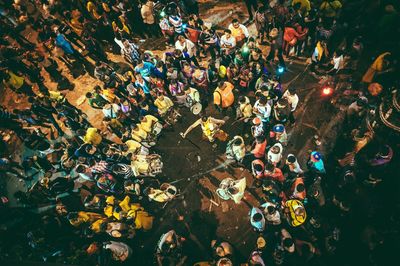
(133, 145)
(304, 5)
(109, 95)
(148, 125)
(15, 81)
(92, 136)
(139, 134)
(246, 109)
(164, 105)
(140, 165)
(91, 8)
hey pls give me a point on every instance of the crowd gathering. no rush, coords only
(91, 192)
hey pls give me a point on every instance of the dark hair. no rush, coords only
(271, 209)
(287, 242)
(300, 187)
(257, 217)
(291, 158)
(228, 31)
(263, 100)
(235, 20)
(89, 95)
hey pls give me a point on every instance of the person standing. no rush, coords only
(223, 96)
(188, 47)
(292, 98)
(147, 12)
(251, 6)
(262, 109)
(239, 31)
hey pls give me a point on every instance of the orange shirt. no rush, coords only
(226, 94)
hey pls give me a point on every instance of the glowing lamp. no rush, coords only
(280, 69)
(246, 49)
(162, 14)
(184, 26)
(327, 91)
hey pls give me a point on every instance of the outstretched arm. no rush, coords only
(194, 125)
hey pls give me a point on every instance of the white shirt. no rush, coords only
(274, 218)
(242, 27)
(338, 62)
(292, 99)
(263, 110)
(229, 43)
(188, 44)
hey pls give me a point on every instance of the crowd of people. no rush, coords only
(90, 188)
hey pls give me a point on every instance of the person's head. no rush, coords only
(257, 217)
(221, 85)
(81, 168)
(242, 99)
(89, 95)
(291, 159)
(300, 187)
(227, 33)
(161, 97)
(204, 118)
(90, 149)
(181, 39)
(177, 53)
(271, 209)
(93, 248)
(235, 23)
(263, 100)
(292, 90)
(287, 242)
(260, 139)
(275, 149)
(270, 168)
(258, 167)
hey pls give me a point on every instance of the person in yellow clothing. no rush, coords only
(239, 31)
(109, 95)
(92, 9)
(305, 6)
(245, 109)
(378, 66)
(78, 218)
(330, 8)
(147, 122)
(134, 147)
(92, 136)
(138, 133)
(223, 95)
(211, 128)
(163, 104)
(17, 83)
(295, 212)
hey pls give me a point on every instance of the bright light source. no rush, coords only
(184, 26)
(246, 49)
(281, 69)
(327, 91)
(162, 14)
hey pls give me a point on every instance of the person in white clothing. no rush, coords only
(228, 42)
(187, 46)
(262, 109)
(239, 31)
(292, 98)
(271, 213)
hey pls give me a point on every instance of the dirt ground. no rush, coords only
(197, 171)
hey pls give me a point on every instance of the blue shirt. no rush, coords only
(146, 70)
(143, 86)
